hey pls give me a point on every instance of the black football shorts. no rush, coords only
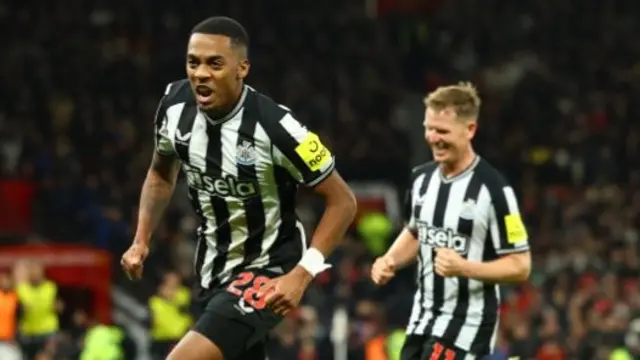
(235, 319)
(420, 347)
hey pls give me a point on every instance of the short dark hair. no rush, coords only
(222, 25)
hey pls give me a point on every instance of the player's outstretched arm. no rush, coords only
(403, 252)
(511, 268)
(404, 249)
(156, 193)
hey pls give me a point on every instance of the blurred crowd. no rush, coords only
(81, 81)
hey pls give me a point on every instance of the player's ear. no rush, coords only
(243, 69)
(472, 127)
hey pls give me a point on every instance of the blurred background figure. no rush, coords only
(41, 306)
(9, 310)
(107, 342)
(170, 316)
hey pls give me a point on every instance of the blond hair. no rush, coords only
(463, 98)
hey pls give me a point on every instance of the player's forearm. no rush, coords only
(508, 269)
(404, 249)
(340, 210)
(156, 194)
(338, 215)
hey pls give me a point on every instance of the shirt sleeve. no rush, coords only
(301, 152)
(163, 144)
(409, 218)
(508, 231)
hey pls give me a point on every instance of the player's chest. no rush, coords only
(226, 161)
(225, 149)
(451, 215)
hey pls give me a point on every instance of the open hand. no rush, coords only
(133, 260)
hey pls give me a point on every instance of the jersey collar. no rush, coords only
(465, 172)
(236, 109)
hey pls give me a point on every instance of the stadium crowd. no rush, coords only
(81, 81)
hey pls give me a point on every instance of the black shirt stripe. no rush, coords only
(482, 342)
(465, 227)
(253, 207)
(220, 208)
(421, 274)
(438, 281)
(288, 243)
(185, 126)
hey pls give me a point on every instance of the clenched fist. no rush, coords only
(133, 260)
(383, 270)
(448, 262)
(284, 293)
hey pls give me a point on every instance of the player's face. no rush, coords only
(447, 135)
(215, 69)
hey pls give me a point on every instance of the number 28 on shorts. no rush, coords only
(246, 286)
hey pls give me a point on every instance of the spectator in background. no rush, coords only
(8, 319)
(106, 342)
(40, 306)
(169, 315)
(70, 343)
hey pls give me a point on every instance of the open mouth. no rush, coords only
(440, 148)
(204, 94)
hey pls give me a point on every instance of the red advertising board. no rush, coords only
(16, 206)
(377, 197)
(70, 266)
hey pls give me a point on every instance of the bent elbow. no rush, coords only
(350, 206)
(524, 267)
(524, 274)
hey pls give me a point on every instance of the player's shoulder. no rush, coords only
(177, 92)
(423, 169)
(268, 110)
(491, 177)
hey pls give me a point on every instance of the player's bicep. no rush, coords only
(162, 141)
(166, 167)
(508, 231)
(301, 152)
(408, 215)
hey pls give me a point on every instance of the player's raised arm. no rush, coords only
(157, 190)
(510, 241)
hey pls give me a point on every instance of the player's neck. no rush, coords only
(223, 111)
(453, 169)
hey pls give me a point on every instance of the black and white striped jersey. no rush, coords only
(476, 214)
(242, 173)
